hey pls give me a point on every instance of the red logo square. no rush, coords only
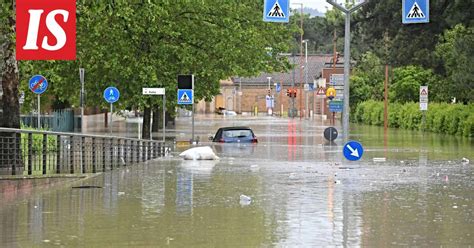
(45, 29)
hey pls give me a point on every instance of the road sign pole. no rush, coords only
(111, 116)
(39, 115)
(192, 139)
(81, 78)
(164, 116)
(347, 57)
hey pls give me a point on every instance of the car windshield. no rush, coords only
(237, 133)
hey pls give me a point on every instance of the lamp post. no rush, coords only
(306, 76)
(347, 57)
(269, 80)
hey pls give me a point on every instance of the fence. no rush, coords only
(62, 120)
(40, 152)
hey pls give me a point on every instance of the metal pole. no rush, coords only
(81, 78)
(347, 57)
(111, 121)
(385, 112)
(240, 95)
(151, 124)
(39, 115)
(164, 116)
(301, 58)
(192, 138)
(306, 76)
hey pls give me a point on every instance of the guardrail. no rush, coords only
(41, 152)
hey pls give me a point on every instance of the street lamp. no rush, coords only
(305, 42)
(269, 79)
(347, 57)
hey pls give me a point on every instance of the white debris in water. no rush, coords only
(245, 200)
(379, 159)
(199, 153)
(337, 182)
(292, 176)
(121, 193)
(402, 162)
(46, 241)
(455, 206)
(465, 161)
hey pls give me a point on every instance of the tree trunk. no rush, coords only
(10, 143)
(157, 117)
(146, 123)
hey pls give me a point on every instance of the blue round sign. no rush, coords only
(353, 150)
(38, 84)
(111, 94)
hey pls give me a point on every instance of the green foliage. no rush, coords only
(456, 49)
(367, 80)
(37, 141)
(454, 119)
(406, 82)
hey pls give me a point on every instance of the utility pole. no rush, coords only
(347, 57)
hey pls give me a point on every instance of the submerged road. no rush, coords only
(292, 189)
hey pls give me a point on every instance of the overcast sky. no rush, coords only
(315, 4)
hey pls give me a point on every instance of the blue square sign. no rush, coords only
(276, 11)
(185, 96)
(415, 11)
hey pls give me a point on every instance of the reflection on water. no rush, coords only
(304, 194)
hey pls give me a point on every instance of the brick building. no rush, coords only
(247, 95)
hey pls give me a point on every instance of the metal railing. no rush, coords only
(27, 152)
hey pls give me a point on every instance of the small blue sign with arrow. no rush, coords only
(415, 11)
(276, 11)
(111, 94)
(185, 96)
(353, 150)
(38, 84)
(278, 87)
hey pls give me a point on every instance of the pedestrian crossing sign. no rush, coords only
(276, 11)
(185, 96)
(415, 11)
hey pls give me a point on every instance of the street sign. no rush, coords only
(111, 94)
(278, 88)
(336, 79)
(336, 106)
(185, 96)
(331, 93)
(186, 82)
(269, 101)
(153, 91)
(415, 11)
(276, 11)
(38, 84)
(321, 91)
(353, 150)
(330, 133)
(306, 87)
(423, 98)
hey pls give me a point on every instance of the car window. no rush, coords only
(237, 133)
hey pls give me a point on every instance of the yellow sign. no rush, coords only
(331, 92)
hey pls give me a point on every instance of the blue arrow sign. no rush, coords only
(38, 84)
(111, 94)
(185, 96)
(276, 11)
(353, 150)
(278, 88)
(415, 11)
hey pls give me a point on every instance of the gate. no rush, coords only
(63, 120)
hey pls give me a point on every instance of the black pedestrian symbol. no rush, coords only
(184, 98)
(415, 12)
(276, 11)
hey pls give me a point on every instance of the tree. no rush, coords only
(456, 50)
(405, 86)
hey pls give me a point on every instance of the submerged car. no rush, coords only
(235, 135)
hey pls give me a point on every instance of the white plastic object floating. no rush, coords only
(379, 159)
(245, 200)
(199, 153)
(465, 161)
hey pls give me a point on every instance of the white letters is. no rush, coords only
(51, 24)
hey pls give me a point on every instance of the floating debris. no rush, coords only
(87, 187)
(465, 161)
(379, 159)
(245, 200)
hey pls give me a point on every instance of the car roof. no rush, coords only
(235, 128)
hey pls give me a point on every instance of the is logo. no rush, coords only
(45, 29)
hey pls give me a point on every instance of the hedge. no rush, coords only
(454, 119)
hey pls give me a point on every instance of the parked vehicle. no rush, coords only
(235, 135)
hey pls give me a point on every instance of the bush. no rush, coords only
(454, 119)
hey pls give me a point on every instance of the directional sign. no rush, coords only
(111, 94)
(415, 11)
(276, 11)
(38, 84)
(330, 133)
(278, 88)
(353, 150)
(185, 96)
(336, 106)
(153, 91)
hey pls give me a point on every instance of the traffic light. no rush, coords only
(294, 93)
(288, 92)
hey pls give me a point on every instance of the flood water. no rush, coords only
(303, 193)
